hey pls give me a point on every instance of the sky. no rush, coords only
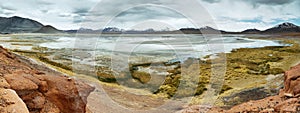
(229, 15)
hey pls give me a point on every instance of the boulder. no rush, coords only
(292, 82)
(11, 103)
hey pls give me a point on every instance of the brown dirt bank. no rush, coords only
(40, 88)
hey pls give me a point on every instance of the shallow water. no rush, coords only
(159, 45)
(141, 47)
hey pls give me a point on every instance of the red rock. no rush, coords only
(11, 103)
(292, 81)
(18, 82)
(289, 105)
(33, 99)
(70, 99)
(42, 89)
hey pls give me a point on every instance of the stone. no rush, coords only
(3, 83)
(292, 81)
(17, 82)
(11, 103)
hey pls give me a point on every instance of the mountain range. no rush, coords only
(15, 24)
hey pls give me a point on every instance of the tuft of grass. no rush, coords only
(48, 61)
(143, 77)
(225, 88)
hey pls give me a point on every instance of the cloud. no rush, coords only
(44, 2)
(147, 13)
(81, 11)
(44, 11)
(257, 2)
(149, 17)
(231, 15)
(7, 10)
(271, 2)
(212, 1)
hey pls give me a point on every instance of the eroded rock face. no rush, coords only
(41, 89)
(292, 82)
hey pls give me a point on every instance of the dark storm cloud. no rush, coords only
(211, 1)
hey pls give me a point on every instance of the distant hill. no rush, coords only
(18, 25)
(48, 29)
(251, 31)
(210, 30)
(84, 31)
(279, 29)
(283, 28)
(203, 30)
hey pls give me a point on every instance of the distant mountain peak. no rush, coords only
(286, 25)
(283, 28)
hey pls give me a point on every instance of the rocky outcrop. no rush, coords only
(41, 89)
(288, 100)
(292, 82)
